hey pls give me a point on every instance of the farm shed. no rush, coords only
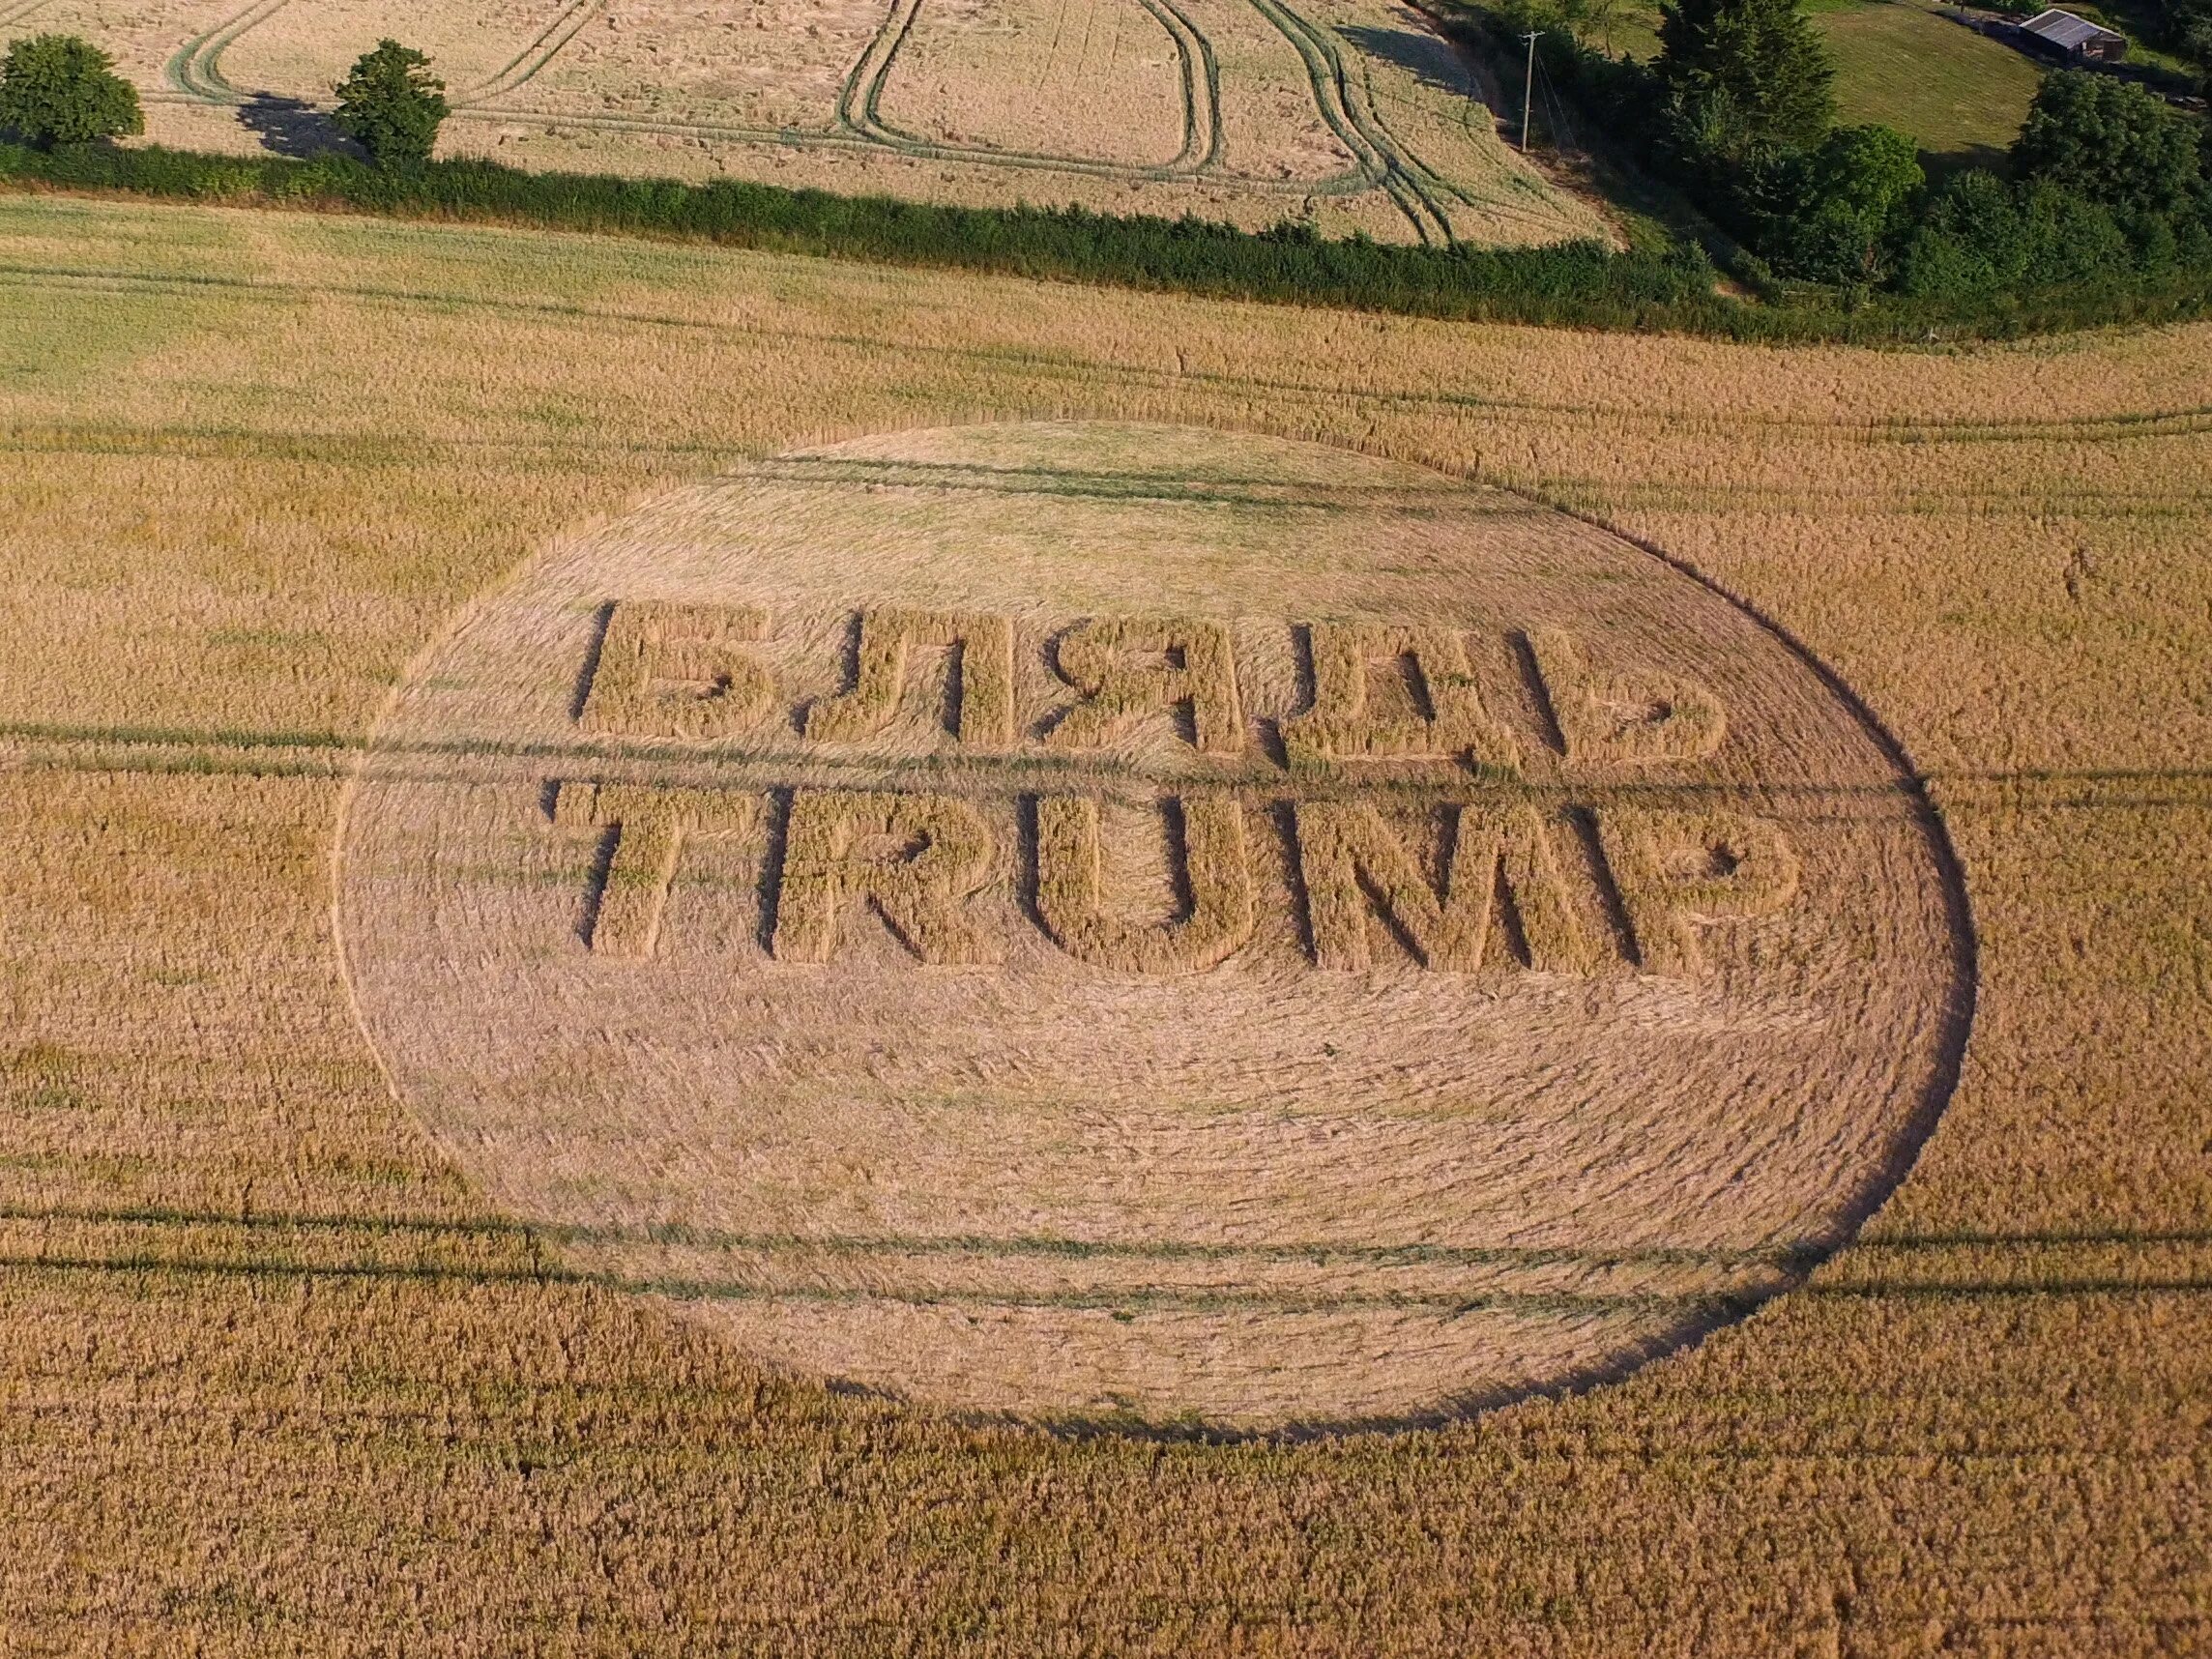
(2071, 37)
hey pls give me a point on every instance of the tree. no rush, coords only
(392, 104)
(2110, 142)
(1758, 62)
(2187, 27)
(57, 89)
(1981, 235)
(1851, 202)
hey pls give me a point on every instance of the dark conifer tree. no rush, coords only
(1747, 72)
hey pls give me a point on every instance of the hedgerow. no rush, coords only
(1583, 284)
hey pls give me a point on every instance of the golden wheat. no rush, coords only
(278, 1376)
(1612, 720)
(1359, 712)
(1354, 116)
(677, 672)
(1195, 672)
(1215, 868)
(912, 858)
(984, 665)
(1675, 870)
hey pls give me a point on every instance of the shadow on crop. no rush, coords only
(293, 127)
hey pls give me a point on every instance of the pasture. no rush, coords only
(1958, 95)
(1349, 115)
(312, 1347)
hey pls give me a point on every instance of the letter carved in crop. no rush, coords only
(1128, 667)
(915, 860)
(678, 671)
(1217, 882)
(651, 826)
(984, 666)
(1680, 872)
(1355, 866)
(1614, 720)
(1441, 712)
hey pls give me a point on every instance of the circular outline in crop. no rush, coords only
(1953, 1009)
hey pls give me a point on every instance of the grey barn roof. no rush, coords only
(2065, 30)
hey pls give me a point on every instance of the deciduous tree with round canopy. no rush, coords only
(2110, 142)
(59, 89)
(392, 104)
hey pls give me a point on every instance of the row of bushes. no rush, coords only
(1581, 284)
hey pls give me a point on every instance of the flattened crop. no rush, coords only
(1133, 924)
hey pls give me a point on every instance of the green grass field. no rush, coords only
(1959, 94)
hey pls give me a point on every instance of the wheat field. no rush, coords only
(284, 1373)
(1350, 116)
(1004, 1124)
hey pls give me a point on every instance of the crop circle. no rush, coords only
(1146, 925)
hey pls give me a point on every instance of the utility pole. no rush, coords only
(1528, 87)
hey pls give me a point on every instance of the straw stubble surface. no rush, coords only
(279, 1376)
(1350, 116)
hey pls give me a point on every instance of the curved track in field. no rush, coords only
(1436, 189)
(195, 68)
(1339, 85)
(859, 105)
(534, 56)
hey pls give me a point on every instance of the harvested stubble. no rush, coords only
(275, 1377)
(302, 51)
(1114, 105)
(1101, 81)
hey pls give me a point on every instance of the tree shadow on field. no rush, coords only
(1942, 165)
(1431, 60)
(293, 127)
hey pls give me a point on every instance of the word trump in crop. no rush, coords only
(1461, 887)
(1365, 691)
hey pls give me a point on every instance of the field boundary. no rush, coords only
(1575, 284)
